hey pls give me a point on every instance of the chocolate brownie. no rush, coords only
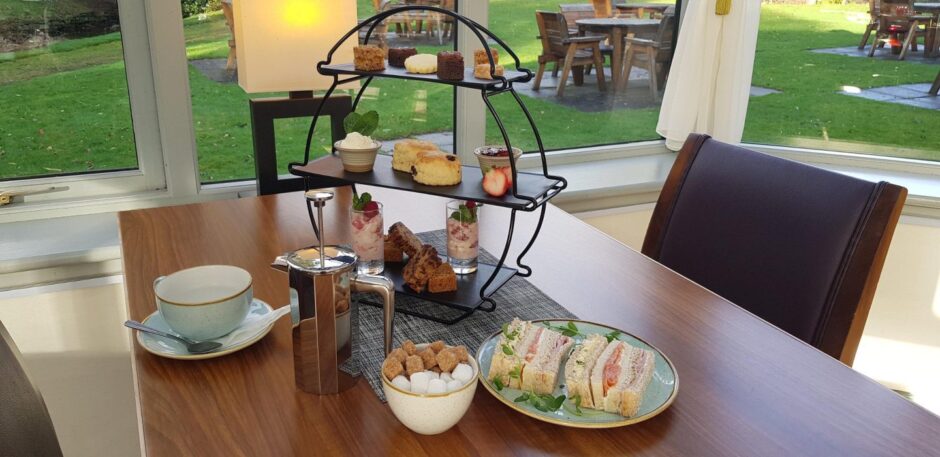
(397, 56)
(450, 65)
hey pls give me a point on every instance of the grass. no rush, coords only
(71, 112)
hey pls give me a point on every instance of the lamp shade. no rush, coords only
(279, 42)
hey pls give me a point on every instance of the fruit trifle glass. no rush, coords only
(368, 232)
(463, 235)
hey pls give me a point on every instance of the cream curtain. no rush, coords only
(710, 79)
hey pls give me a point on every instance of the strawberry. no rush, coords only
(371, 209)
(471, 204)
(508, 172)
(495, 183)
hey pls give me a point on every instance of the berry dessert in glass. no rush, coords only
(463, 235)
(368, 233)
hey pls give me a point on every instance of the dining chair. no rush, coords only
(900, 26)
(653, 54)
(574, 11)
(25, 426)
(574, 53)
(603, 8)
(798, 246)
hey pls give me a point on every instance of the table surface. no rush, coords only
(926, 6)
(647, 6)
(747, 388)
(617, 22)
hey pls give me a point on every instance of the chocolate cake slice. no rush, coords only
(450, 65)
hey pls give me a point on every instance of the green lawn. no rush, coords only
(65, 107)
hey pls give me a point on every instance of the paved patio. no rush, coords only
(905, 94)
(880, 54)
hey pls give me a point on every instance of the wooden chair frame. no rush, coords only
(648, 51)
(935, 88)
(570, 61)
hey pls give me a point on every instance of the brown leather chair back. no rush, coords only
(25, 425)
(798, 246)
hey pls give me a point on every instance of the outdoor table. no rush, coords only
(746, 387)
(617, 29)
(641, 8)
(931, 41)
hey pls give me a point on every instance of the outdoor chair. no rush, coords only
(798, 246)
(603, 8)
(572, 12)
(230, 63)
(572, 53)
(895, 23)
(653, 54)
(935, 88)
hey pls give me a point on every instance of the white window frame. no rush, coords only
(149, 175)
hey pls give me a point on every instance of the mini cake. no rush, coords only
(397, 56)
(437, 170)
(421, 64)
(392, 252)
(401, 237)
(368, 58)
(420, 268)
(450, 65)
(482, 71)
(443, 280)
(479, 56)
(406, 153)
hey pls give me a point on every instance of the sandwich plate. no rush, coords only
(658, 396)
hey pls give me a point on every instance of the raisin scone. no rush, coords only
(437, 170)
(406, 152)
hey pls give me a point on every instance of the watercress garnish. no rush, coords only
(544, 402)
(575, 406)
(568, 330)
(612, 335)
(506, 348)
(498, 384)
(516, 372)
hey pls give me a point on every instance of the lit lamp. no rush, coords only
(278, 45)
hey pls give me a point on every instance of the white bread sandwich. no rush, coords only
(579, 367)
(528, 356)
(544, 351)
(620, 377)
(507, 363)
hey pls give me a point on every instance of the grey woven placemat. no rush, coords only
(517, 298)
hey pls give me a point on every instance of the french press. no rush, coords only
(325, 318)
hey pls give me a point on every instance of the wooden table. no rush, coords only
(641, 8)
(617, 28)
(931, 41)
(747, 388)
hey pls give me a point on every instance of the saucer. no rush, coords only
(165, 347)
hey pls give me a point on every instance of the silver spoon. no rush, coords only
(194, 347)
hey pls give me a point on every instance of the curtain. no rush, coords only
(710, 79)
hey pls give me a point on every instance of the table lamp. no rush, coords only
(278, 46)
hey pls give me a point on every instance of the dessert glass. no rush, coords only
(368, 232)
(463, 235)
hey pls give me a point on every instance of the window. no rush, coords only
(583, 115)
(77, 102)
(812, 87)
(220, 107)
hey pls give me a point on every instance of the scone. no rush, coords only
(479, 56)
(406, 153)
(420, 268)
(369, 58)
(437, 170)
(482, 71)
(421, 64)
(443, 280)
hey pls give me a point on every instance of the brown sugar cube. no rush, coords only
(447, 359)
(409, 347)
(413, 364)
(398, 353)
(437, 346)
(391, 368)
(479, 56)
(428, 357)
(462, 354)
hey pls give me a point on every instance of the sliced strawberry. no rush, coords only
(495, 183)
(371, 209)
(508, 172)
(471, 204)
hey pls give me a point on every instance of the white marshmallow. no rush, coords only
(433, 375)
(453, 385)
(436, 386)
(402, 383)
(446, 377)
(419, 382)
(462, 373)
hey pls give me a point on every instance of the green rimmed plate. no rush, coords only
(658, 396)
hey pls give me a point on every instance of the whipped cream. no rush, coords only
(355, 140)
